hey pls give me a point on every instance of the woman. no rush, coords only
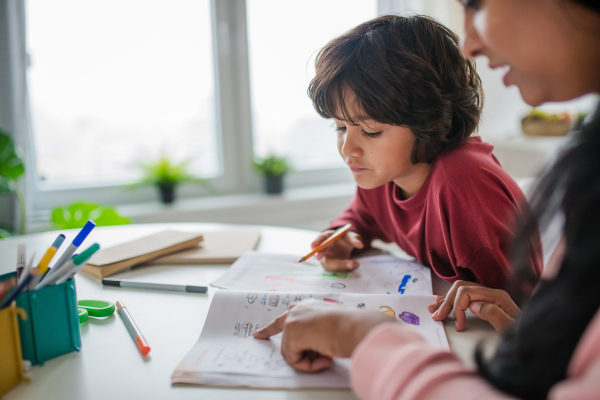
(552, 50)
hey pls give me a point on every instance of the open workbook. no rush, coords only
(264, 285)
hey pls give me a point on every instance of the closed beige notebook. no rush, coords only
(217, 247)
(114, 259)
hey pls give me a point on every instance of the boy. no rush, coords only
(405, 103)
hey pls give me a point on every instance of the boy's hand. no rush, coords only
(336, 256)
(492, 305)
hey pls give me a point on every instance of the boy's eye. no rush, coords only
(371, 134)
(340, 128)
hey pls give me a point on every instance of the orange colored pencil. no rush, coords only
(338, 234)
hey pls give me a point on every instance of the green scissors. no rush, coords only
(94, 308)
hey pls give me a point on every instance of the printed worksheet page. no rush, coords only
(380, 274)
(227, 354)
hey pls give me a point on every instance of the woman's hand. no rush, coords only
(492, 305)
(336, 256)
(314, 332)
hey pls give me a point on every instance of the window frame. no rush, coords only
(233, 117)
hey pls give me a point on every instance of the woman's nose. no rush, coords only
(471, 44)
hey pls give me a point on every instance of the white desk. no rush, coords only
(109, 366)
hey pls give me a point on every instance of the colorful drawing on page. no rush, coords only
(331, 300)
(402, 286)
(409, 318)
(388, 311)
(361, 305)
(379, 274)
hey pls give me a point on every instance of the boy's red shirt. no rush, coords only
(460, 223)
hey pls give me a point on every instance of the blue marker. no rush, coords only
(66, 256)
(402, 287)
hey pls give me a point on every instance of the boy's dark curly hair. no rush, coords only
(404, 71)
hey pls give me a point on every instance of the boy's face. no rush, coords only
(379, 153)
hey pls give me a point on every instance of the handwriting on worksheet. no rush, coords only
(227, 354)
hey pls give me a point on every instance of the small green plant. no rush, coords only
(165, 171)
(166, 175)
(11, 170)
(272, 165)
(76, 215)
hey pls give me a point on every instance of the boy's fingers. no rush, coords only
(435, 306)
(335, 265)
(448, 302)
(491, 313)
(355, 240)
(321, 238)
(275, 327)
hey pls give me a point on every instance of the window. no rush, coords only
(115, 82)
(284, 39)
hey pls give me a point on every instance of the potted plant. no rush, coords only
(273, 168)
(11, 169)
(166, 175)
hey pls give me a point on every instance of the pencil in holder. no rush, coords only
(52, 326)
(11, 367)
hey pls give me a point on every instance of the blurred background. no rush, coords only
(106, 101)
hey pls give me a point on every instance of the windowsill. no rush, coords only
(525, 156)
(307, 208)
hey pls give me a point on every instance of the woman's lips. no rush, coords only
(506, 77)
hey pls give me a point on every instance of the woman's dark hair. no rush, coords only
(535, 352)
(403, 71)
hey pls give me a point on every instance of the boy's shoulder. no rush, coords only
(471, 156)
(470, 164)
(472, 152)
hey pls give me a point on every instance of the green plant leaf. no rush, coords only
(11, 165)
(75, 215)
(272, 165)
(4, 233)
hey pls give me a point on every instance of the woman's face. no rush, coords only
(550, 48)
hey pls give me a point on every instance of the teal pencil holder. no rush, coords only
(52, 326)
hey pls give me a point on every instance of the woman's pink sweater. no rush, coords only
(395, 362)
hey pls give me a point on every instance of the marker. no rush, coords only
(21, 262)
(66, 256)
(338, 234)
(43, 265)
(22, 285)
(156, 286)
(133, 329)
(78, 261)
(72, 267)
